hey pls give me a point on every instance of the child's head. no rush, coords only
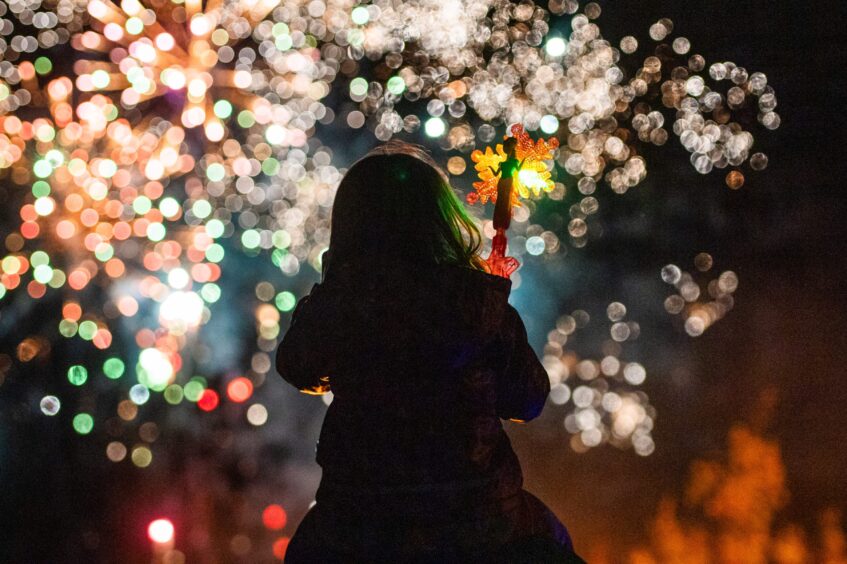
(396, 204)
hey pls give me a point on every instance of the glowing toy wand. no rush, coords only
(513, 169)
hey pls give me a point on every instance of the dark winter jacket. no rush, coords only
(423, 362)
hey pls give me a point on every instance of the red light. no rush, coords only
(208, 400)
(240, 389)
(161, 531)
(280, 546)
(274, 517)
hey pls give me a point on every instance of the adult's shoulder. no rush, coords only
(476, 279)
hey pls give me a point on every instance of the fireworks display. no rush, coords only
(119, 196)
(163, 159)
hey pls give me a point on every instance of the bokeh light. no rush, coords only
(168, 170)
(161, 531)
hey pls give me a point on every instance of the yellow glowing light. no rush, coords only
(488, 167)
(532, 176)
(181, 311)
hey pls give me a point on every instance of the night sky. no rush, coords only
(783, 233)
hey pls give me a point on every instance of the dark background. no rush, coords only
(783, 233)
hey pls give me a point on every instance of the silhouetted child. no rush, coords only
(424, 356)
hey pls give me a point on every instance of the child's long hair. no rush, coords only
(396, 204)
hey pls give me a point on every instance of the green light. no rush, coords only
(279, 28)
(2, 291)
(154, 369)
(105, 251)
(67, 328)
(246, 118)
(42, 168)
(270, 166)
(435, 127)
(281, 239)
(142, 205)
(114, 368)
(156, 231)
(214, 227)
(100, 79)
(396, 85)
(173, 394)
(201, 209)
(43, 65)
(38, 258)
(358, 87)
(83, 423)
(223, 109)
(87, 329)
(40, 189)
(193, 390)
(355, 37)
(215, 172)
(134, 25)
(210, 292)
(42, 273)
(283, 42)
(285, 301)
(58, 279)
(277, 256)
(77, 375)
(360, 15)
(169, 207)
(4, 92)
(215, 253)
(251, 238)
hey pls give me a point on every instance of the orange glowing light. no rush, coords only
(280, 546)
(65, 229)
(240, 389)
(29, 230)
(127, 306)
(531, 177)
(102, 339)
(274, 517)
(36, 290)
(71, 311)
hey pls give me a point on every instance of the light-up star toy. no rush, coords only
(514, 169)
